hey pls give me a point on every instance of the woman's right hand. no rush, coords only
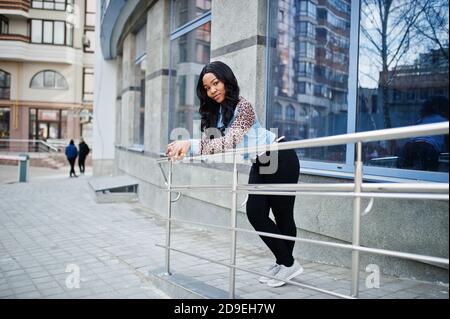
(177, 150)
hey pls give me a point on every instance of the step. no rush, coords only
(115, 189)
(179, 286)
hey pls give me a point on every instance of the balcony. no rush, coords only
(18, 48)
(23, 5)
(14, 37)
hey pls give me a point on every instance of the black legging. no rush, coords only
(258, 206)
(81, 160)
(72, 164)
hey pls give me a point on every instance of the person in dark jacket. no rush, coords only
(71, 154)
(84, 151)
(422, 152)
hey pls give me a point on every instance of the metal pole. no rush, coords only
(356, 221)
(233, 231)
(169, 215)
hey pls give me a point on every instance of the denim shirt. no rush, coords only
(255, 135)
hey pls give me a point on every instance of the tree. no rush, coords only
(387, 28)
(432, 26)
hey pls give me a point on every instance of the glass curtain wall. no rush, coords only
(190, 51)
(344, 66)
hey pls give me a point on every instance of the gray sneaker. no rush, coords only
(285, 273)
(272, 271)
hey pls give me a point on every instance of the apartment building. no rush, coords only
(46, 68)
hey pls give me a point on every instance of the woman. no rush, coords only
(221, 107)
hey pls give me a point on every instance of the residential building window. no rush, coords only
(4, 122)
(340, 5)
(4, 24)
(89, 41)
(306, 8)
(49, 79)
(5, 85)
(290, 113)
(301, 87)
(59, 5)
(69, 7)
(51, 32)
(278, 111)
(58, 36)
(69, 34)
(421, 65)
(90, 8)
(190, 47)
(307, 29)
(88, 84)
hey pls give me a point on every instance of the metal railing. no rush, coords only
(23, 145)
(357, 190)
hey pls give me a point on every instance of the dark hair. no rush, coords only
(209, 109)
(435, 105)
(71, 142)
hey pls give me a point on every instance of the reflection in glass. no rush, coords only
(308, 84)
(188, 10)
(140, 65)
(190, 53)
(403, 80)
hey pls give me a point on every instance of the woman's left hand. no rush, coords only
(177, 149)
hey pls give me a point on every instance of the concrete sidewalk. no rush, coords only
(9, 173)
(51, 230)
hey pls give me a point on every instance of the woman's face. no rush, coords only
(215, 89)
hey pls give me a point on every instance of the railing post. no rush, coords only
(169, 215)
(233, 232)
(356, 220)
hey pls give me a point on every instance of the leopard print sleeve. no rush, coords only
(244, 120)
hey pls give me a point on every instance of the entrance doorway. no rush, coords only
(48, 130)
(47, 124)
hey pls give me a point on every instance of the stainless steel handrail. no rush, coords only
(374, 187)
(29, 141)
(258, 273)
(384, 252)
(357, 189)
(371, 136)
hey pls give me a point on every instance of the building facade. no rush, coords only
(301, 64)
(46, 69)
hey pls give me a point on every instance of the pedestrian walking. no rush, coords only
(71, 154)
(84, 151)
